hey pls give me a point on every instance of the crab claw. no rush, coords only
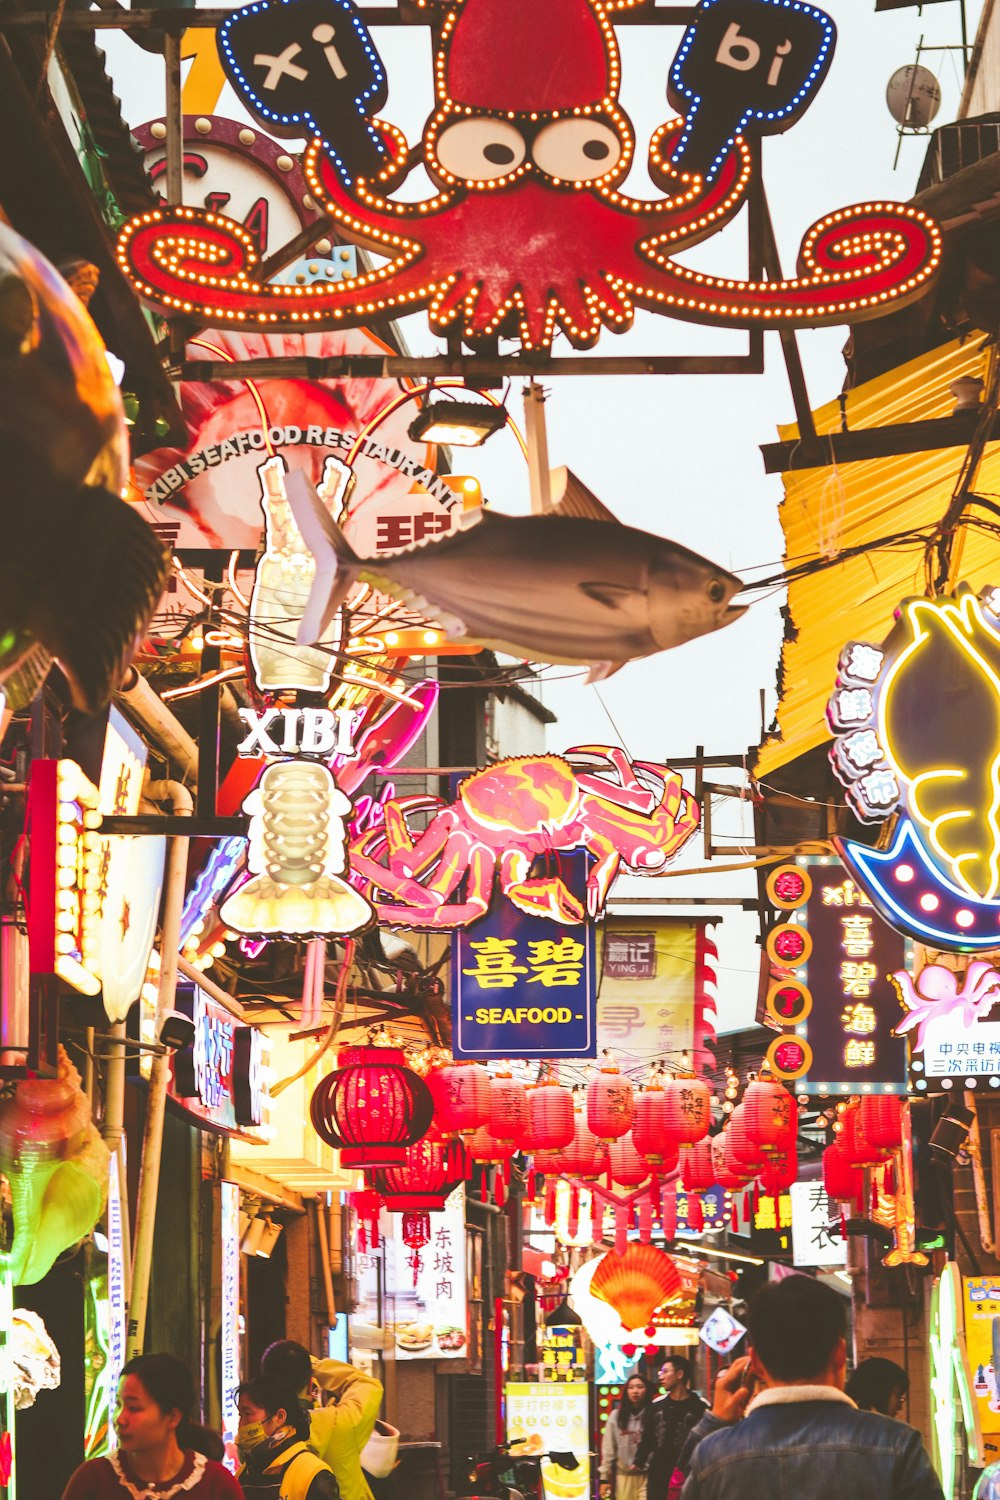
(546, 898)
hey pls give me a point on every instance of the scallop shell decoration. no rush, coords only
(637, 1283)
(939, 719)
(57, 1168)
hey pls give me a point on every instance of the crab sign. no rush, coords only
(506, 815)
(530, 232)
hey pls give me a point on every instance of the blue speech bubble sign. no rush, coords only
(310, 67)
(745, 67)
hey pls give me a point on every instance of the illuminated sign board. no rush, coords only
(304, 731)
(222, 1077)
(229, 1329)
(649, 983)
(553, 1417)
(431, 1306)
(982, 1352)
(844, 955)
(952, 1039)
(522, 986)
(526, 233)
(916, 721)
(64, 874)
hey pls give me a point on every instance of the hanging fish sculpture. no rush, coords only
(553, 588)
(80, 571)
(57, 1167)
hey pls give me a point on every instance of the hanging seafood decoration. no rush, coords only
(636, 1283)
(57, 1168)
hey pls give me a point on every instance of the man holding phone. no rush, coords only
(800, 1434)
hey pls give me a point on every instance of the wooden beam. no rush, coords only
(873, 442)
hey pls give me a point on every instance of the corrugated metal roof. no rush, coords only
(831, 509)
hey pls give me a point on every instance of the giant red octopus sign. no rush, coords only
(529, 231)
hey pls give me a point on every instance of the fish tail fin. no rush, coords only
(600, 670)
(336, 560)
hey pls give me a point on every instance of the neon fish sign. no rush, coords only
(917, 726)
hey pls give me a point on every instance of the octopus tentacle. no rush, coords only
(699, 209)
(852, 263)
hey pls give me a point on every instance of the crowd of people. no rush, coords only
(784, 1421)
(291, 1446)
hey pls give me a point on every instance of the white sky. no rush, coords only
(679, 455)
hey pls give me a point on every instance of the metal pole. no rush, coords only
(113, 1131)
(152, 1142)
(175, 118)
(538, 448)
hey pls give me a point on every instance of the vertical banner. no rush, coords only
(430, 1311)
(839, 948)
(229, 1333)
(525, 986)
(117, 1305)
(817, 1239)
(654, 997)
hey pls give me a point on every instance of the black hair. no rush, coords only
(794, 1326)
(167, 1380)
(625, 1407)
(205, 1440)
(271, 1395)
(289, 1363)
(874, 1381)
(682, 1365)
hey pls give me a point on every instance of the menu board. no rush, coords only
(552, 1418)
(428, 1297)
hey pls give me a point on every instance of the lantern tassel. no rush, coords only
(621, 1231)
(550, 1203)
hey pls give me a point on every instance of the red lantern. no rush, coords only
(585, 1156)
(841, 1178)
(550, 1117)
(860, 1151)
(372, 1108)
(508, 1117)
(687, 1111)
(432, 1171)
(461, 1092)
(610, 1104)
(722, 1172)
(548, 1163)
(778, 1175)
(628, 1168)
(881, 1119)
(740, 1150)
(649, 1127)
(771, 1116)
(697, 1166)
(484, 1146)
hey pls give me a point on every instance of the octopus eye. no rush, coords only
(480, 150)
(716, 590)
(577, 150)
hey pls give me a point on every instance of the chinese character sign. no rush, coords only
(650, 978)
(949, 1019)
(430, 1319)
(229, 1331)
(902, 746)
(848, 963)
(816, 1234)
(524, 986)
(552, 1418)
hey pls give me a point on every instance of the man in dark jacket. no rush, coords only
(666, 1425)
(801, 1435)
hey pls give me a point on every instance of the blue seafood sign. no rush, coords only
(524, 986)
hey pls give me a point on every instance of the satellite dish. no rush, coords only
(913, 95)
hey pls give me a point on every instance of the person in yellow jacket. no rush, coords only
(340, 1430)
(278, 1463)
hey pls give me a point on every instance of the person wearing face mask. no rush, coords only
(272, 1440)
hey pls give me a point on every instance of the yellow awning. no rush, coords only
(828, 510)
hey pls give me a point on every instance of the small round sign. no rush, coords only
(788, 1002)
(789, 886)
(788, 946)
(789, 1057)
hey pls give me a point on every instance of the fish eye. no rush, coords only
(480, 150)
(716, 590)
(577, 150)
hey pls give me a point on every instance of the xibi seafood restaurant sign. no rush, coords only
(527, 230)
(916, 720)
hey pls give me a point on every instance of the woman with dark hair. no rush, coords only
(879, 1385)
(273, 1440)
(155, 1455)
(619, 1474)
